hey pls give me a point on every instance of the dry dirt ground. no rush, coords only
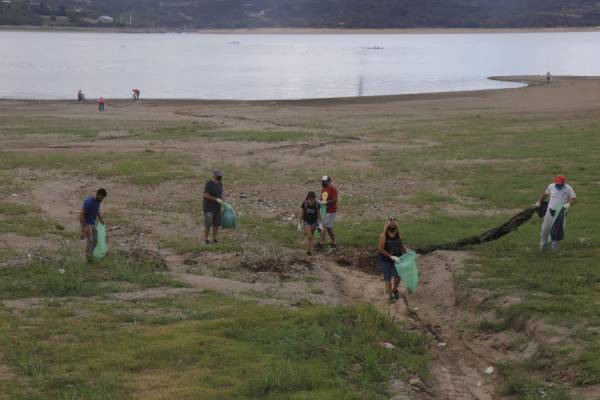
(148, 214)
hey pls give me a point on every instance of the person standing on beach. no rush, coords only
(561, 196)
(309, 219)
(101, 104)
(548, 77)
(136, 94)
(212, 200)
(90, 212)
(80, 96)
(391, 247)
(329, 198)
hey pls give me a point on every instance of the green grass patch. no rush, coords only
(69, 275)
(205, 346)
(143, 168)
(523, 386)
(83, 132)
(431, 198)
(147, 168)
(25, 220)
(210, 131)
(14, 209)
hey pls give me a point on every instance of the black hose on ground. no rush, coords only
(488, 236)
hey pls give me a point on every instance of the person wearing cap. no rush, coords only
(391, 247)
(213, 198)
(559, 194)
(329, 198)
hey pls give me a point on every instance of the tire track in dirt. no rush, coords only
(456, 368)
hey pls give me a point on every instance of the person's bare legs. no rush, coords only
(91, 240)
(206, 232)
(396, 284)
(388, 287)
(331, 236)
(215, 233)
(309, 238)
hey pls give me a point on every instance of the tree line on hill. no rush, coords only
(216, 14)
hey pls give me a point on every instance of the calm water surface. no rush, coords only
(54, 65)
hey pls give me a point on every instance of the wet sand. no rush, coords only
(563, 95)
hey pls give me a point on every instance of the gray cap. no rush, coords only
(217, 173)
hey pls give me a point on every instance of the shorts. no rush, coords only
(212, 219)
(329, 220)
(313, 225)
(387, 267)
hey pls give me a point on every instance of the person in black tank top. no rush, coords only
(391, 247)
(310, 218)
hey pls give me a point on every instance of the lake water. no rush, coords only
(53, 65)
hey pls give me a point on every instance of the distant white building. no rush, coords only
(105, 19)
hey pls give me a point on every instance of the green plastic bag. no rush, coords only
(228, 216)
(407, 269)
(100, 250)
(323, 212)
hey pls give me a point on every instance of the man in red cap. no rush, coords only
(561, 196)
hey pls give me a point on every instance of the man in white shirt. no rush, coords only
(559, 194)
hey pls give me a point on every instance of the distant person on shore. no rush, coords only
(329, 198)
(561, 197)
(309, 219)
(101, 104)
(391, 247)
(213, 198)
(136, 94)
(548, 77)
(90, 212)
(80, 96)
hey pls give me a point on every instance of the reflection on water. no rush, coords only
(56, 64)
(361, 85)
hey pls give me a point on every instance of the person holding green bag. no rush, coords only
(391, 247)
(560, 195)
(90, 212)
(328, 201)
(211, 204)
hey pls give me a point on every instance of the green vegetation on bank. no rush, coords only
(445, 178)
(299, 14)
(66, 274)
(204, 346)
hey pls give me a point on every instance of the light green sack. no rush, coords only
(228, 217)
(323, 212)
(407, 269)
(100, 250)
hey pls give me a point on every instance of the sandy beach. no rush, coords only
(564, 95)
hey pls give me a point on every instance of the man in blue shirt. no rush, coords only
(90, 212)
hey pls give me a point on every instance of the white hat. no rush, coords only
(325, 178)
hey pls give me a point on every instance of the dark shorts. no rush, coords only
(314, 225)
(387, 267)
(212, 219)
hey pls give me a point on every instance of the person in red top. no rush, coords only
(329, 198)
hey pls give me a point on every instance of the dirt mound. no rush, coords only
(277, 263)
(146, 256)
(364, 260)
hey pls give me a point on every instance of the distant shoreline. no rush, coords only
(301, 31)
(527, 81)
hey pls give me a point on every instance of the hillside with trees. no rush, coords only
(215, 14)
